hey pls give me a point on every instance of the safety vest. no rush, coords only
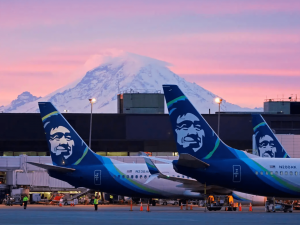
(25, 199)
(96, 201)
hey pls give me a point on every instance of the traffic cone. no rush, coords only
(131, 206)
(250, 207)
(181, 206)
(60, 204)
(191, 207)
(240, 207)
(226, 209)
(148, 207)
(141, 208)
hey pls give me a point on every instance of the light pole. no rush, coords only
(92, 101)
(219, 101)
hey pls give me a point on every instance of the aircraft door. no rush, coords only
(97, 177)
(236, 173)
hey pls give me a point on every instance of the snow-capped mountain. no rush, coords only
(117, 75)
(21, 100)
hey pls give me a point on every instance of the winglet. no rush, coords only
(151, 166)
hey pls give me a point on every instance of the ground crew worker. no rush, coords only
(25, 200)
(96, 203)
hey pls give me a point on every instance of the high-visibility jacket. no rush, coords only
(25, 199)
(95, 201)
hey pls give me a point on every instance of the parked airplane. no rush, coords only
(265, 142)
(76, 164)
(194, 185)
(205, 157)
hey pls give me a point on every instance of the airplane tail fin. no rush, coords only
(65, 145)
(192, 133)
(265, 142)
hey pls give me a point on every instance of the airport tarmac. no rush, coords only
(112, 214)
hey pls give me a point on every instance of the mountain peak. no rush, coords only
(22, 99)
(117, 74)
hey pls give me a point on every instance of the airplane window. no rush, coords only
(123, 176)
(271, 173)
(131, 176)
(187, 177)
(141, 176)
(256, 173)
(286, 173)
(182, 176)
(281, 173)
(266, 172)
(136, 176)
(145, 176)
(296, 173)
(178, 176)
(127, 176)
(276, 172)
(291, 172)
(261, 173)
(118, 176)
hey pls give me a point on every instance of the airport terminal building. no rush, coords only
(127, 134)
(122, 134)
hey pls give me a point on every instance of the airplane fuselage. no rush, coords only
(258, 176)
(127, 179)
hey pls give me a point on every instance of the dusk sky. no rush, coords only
(241, 50)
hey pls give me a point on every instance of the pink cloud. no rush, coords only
(20, 13)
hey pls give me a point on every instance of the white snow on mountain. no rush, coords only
(117, 75)
(21, 100)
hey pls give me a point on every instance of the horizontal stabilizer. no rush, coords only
(188, 160)
(53, 168)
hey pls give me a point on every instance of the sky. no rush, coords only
(242, 50)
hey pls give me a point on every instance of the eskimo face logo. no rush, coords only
(189, 132)
(61, 141)
(266, 146)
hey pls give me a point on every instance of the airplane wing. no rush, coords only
(191, 184)
(154, 171)
(52, 167)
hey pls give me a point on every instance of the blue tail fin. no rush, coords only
(266, 144)
(193, 134)
(65, 145)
